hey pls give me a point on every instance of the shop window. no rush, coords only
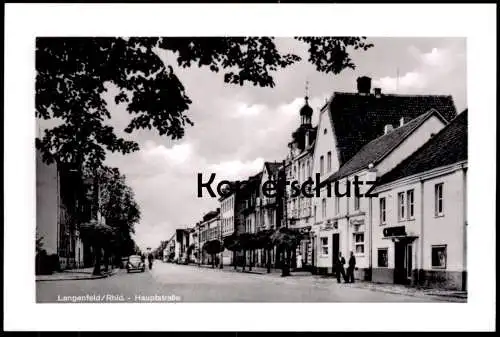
(383, 260)
(439, 256)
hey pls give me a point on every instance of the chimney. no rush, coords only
(364, 85)
(388, 128)
(403, 121)
(377, 92)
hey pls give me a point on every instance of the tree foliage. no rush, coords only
(73, 75)
(213, 247)
(119, 208)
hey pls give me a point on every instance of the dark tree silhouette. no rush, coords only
(73, 73)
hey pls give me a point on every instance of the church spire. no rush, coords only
(306, 111)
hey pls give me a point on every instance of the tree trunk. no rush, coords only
(244, 259)
(106, 260)
(234, 260)
(268, 260)
(285, 270)
(97, 265)
(251, 260)
(213, 260)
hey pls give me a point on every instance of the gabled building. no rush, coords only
(347, 123)
(420, 220)
(345, 217)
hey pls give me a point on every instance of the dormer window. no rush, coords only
(324, 131)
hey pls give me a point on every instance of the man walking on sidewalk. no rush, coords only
(350, 269)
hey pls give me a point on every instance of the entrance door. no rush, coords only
(400, 275)
(403, 262)
(335, 249)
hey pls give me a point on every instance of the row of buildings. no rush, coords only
(407, 153)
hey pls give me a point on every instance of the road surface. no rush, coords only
(169, 283)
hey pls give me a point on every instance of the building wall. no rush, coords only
(412, 143)
(325, 142)
(227, 215)
(47, 204)
(431, 230)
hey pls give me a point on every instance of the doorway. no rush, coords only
(335, 249)
(403, 262)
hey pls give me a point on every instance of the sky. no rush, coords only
(237, 128)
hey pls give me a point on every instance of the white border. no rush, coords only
(25, 21)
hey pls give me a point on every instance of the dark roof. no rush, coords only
(379, 148)
(273, 167)
(447, 147)
(358, 119)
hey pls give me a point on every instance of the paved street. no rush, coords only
(195, 284)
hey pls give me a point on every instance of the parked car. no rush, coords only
(135, 263)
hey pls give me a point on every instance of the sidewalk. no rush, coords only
(75, 274)
(255, 270)
(439, 294)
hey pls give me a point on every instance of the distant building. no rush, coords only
(209, 229)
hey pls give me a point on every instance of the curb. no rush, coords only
(440, 297)
(92, 277)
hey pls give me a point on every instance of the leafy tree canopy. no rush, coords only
(72, 75)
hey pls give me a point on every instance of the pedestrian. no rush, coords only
(150, 260)
(340, 268)
(299, 261)
(351, 268)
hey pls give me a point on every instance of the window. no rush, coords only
(324, 246)
(359, 243)
(329, 160)
(314, 214)
(411, 204)
(324, 131)
(323, 208)
(382, 257)
(439, 256)
(337, 205)
(303, 171)
(321, 165)
(356, 203)
(401, 206)
(382, 211)
(438, 197)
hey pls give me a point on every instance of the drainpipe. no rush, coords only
(422, 220)
(370, 238)
(464, 263)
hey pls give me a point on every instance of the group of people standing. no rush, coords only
(340, 271)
